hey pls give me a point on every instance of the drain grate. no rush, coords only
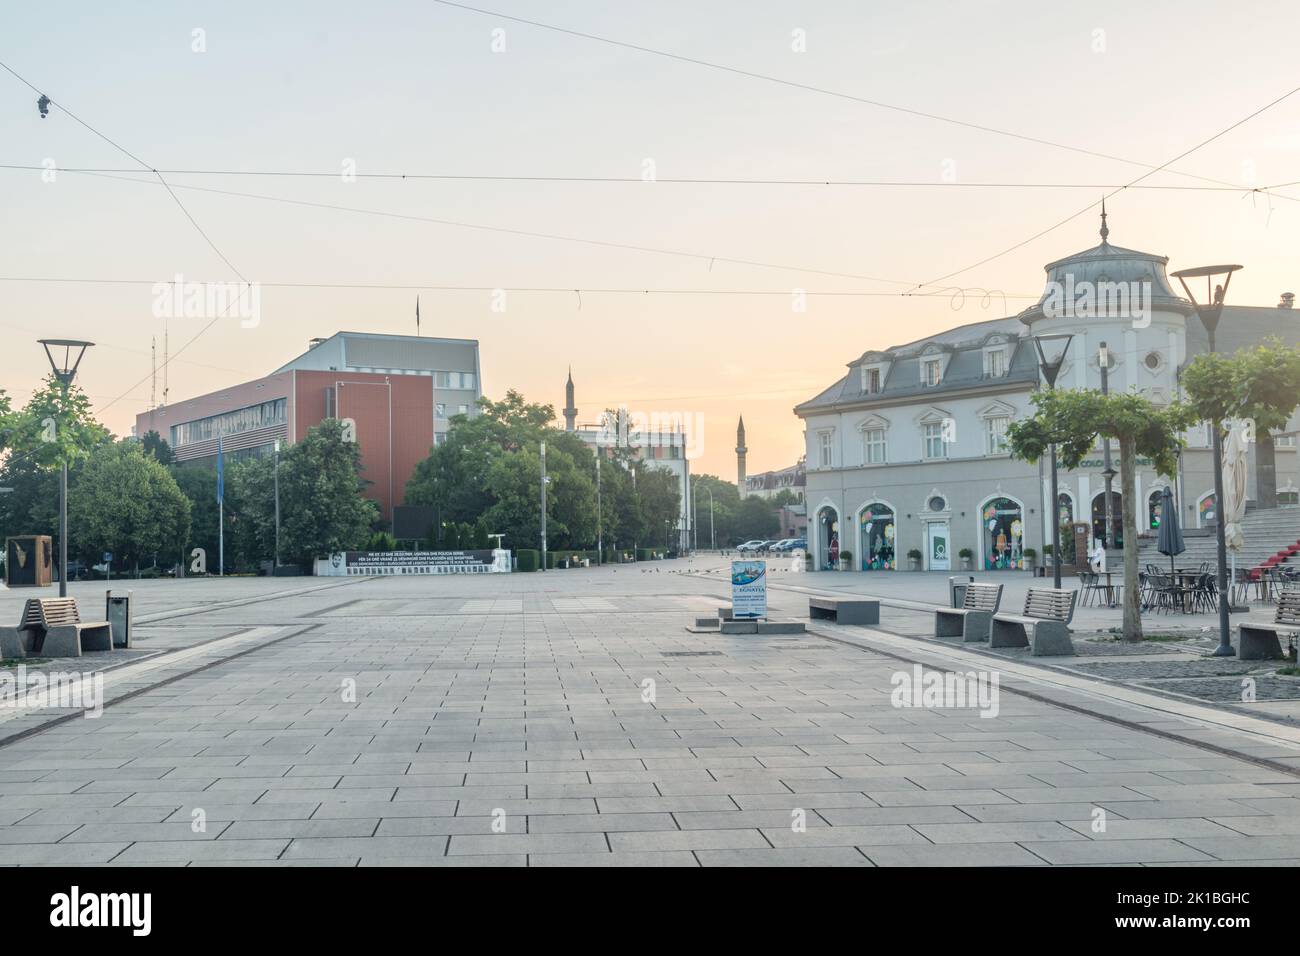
(691, 653)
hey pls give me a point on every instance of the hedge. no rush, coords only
(528, 559)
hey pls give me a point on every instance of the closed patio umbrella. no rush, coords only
(1169, 539)
(1233, 507)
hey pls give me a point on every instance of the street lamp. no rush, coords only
(65, 370)
(1209, 314)
(1051, 368)
(1108, 470)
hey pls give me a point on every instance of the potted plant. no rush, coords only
(1031, 559)
(846, 560)
(966, 555)
(914, 559)
(1041, 570)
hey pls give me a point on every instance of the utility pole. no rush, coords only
(1108, 472)
(600, 515)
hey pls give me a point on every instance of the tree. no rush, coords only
(56, 427)
(199, 484)
(1260, 384)
(661, 503)
(755, 518)
(156, 446)
(127, 503)
(1074, 419)
(322, 510)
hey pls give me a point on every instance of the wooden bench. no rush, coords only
(844, 610)
(1260, 642)
(1044, 626)
(52, 627)
(974, 619)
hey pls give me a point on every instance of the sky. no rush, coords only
(701, 317)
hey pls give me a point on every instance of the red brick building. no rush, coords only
(399, 390)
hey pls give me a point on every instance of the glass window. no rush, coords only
(263, 415)
(442, 410)
(877, 533)
(827, 449)
(997, 363)
(995, 435)
(442, 380)
(871, 380)
(1003, 529)
(1288, 497)
(874, 450)
(462, 409)
(930, 371)
(933, 440)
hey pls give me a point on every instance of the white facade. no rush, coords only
(905, 451)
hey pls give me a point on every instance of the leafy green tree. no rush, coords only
(661, 503)
(1074, 419)
(56, 427)
(1261, 384)
(156, 446)
(756, 518)
(125, 502)
(322, 509)
(199, 484)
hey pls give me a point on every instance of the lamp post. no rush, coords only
(276, 562)
(65, 371)
(1050, 369)
(1209, 314)
(600, 514)
(544, 481)
(1108, 471)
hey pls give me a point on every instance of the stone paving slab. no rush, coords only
(517, 704)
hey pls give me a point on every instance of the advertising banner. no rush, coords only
(380, 563)
(748, 589)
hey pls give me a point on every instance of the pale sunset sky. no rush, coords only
(418, 88)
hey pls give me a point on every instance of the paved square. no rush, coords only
(567, 718)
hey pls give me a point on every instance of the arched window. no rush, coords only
(1002, 534)
(1206, 512)
(877, 536)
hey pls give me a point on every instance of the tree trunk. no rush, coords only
(1265, 471)
(1128, 483)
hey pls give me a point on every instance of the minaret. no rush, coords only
(570, 413)
(740, 456)
(1105, 229)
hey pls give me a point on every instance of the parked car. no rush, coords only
(753, 546)
(782, 546)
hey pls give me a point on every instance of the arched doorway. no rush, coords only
(1155, 504)
(877, 531)
(828, 538)
(1065, 521)
(1002, 534)
(1116, 537)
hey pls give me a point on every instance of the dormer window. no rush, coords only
(931, 371)
(871, 379)
(995, 363)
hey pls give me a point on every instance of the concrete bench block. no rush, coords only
(739, 627)
(781, 627)
(950, 622)
(707, 622)
(724, 614)
(1051, 640)
(15, 643)
(1259, 643)
(844, 611)
(1009, 632)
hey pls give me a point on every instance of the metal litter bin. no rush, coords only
(117, 611)
(957, 589)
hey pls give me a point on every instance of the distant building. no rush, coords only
(741, 450)
(657, 444)
(400, 390)
(769, 484)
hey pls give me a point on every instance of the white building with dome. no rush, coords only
(907, 450)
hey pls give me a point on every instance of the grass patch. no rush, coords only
(1290, 671)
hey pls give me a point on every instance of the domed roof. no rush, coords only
(1108, 263)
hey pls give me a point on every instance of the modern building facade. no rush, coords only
(907, 451)
(400, 391)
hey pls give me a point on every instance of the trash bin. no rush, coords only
(117, 611)
(957, 589)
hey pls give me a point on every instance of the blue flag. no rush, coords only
(221, 481)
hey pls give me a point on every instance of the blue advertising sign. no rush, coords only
(748, 589)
